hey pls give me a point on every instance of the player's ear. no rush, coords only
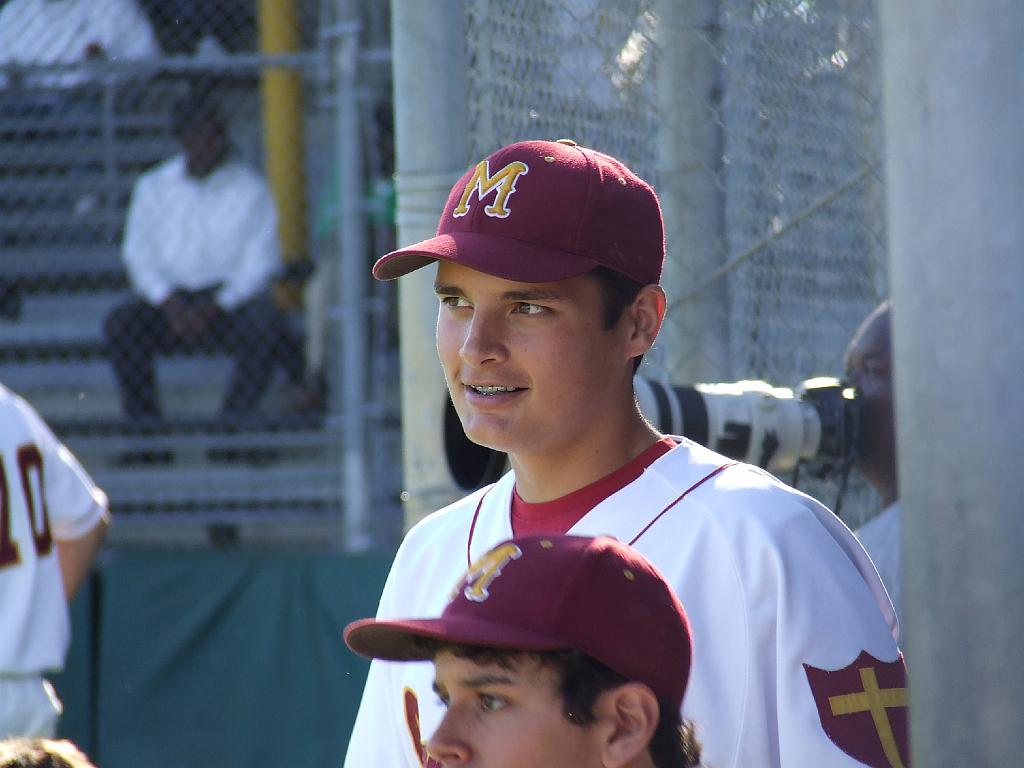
(646, 314)
(627, 716)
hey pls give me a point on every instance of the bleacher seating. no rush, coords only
(66, 174)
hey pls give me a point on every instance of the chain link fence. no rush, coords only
(758, 122)
(172, 218)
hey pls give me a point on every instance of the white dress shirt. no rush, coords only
(58, 32)
(880, 536)
(184, 232)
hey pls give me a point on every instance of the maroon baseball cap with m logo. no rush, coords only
(539, 211)
(549, 593)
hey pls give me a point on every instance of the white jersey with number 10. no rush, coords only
(45, 496)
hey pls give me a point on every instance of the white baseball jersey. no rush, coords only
(46, 497)
(795, 654)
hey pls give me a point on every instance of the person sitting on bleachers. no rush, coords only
(51, 32)
(201, 250)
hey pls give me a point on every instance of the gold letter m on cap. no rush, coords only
(483, 184)
(487, 569)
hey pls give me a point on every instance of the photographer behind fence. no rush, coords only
(869, 370)
(201, 250)
(827, 427)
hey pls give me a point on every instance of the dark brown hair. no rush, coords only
(581, 680)
(619, 292)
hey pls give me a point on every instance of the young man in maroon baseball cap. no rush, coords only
(547, 262)
(590, 673)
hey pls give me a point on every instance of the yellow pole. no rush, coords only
(281, 91)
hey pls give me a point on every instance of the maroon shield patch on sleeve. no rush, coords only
(863, 709)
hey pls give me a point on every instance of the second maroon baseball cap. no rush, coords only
(540, 211)
(548, 593)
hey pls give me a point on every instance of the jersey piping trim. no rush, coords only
(679, 498)
(656, 518)
(472, 528)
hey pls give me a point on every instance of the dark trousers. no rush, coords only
(256, 333)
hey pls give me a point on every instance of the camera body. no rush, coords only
(773, 427)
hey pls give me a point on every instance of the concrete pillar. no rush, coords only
(954, 106)
(694, 339)
(431, 146)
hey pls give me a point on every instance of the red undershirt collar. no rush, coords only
(559, 515)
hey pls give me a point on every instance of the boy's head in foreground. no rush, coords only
(554, 651)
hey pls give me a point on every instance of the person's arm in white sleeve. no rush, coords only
(127, 31)
(138, 41)
(140, 250)
(76, 556)
(261, 253)
(376, 738)
(829, 631)
(76, 508)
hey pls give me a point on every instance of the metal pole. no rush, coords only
(953, 86)
(431, 141)
(694, 340)
(282, 120)
(352, 277)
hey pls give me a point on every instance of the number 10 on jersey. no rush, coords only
(30, 469)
